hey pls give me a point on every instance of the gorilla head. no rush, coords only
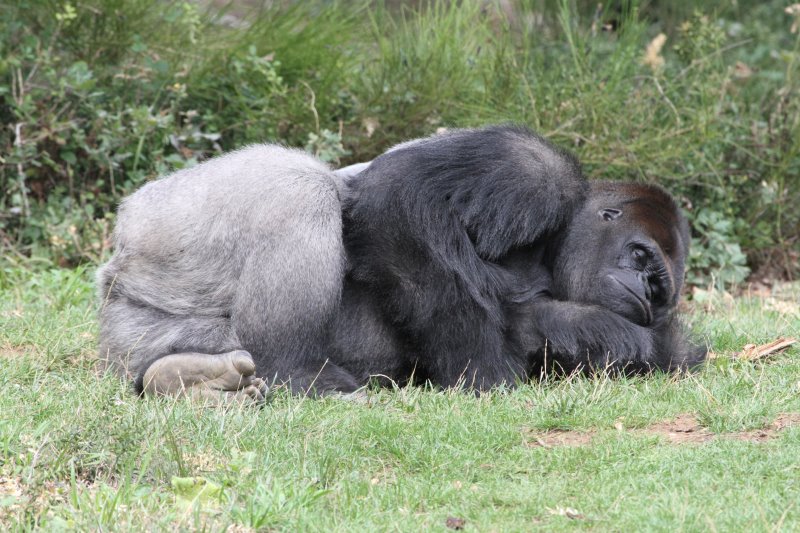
(471, 258)
(624, 250)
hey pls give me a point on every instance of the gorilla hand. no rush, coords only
(579, 335)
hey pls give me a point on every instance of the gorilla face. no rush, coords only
(624, 252)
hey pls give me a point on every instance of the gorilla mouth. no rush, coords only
(640, 300)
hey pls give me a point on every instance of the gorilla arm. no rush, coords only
(572, 335)
(565, 334)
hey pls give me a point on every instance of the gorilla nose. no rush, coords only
(638, 287)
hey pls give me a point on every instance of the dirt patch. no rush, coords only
(11, 492)
(558, 437)
(785, 420)
(19, 497)
(12, 352)
(453, 522)
(683, 429)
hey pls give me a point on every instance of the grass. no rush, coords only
(79, 452)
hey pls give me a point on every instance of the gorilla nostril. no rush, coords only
(648, 290)
(609, 214)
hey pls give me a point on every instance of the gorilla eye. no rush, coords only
(639, 257)
(609, 214)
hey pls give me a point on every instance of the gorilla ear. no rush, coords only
(609, 213)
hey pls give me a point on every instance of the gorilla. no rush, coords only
(475, 258)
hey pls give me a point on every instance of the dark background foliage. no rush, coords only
(99, 96)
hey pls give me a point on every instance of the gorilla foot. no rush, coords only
(218, 379)
(256, 393)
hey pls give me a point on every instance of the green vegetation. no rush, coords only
(78, 452)
(98, 96)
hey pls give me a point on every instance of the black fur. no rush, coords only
(481, 253)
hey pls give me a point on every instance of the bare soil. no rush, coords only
(683, 429)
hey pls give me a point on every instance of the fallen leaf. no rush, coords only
(794, 10)
(455, 523)
(370, 125)
(652, 55)
(742, 71)
(189, 490)
(569, 512)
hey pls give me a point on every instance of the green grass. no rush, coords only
(79, 452)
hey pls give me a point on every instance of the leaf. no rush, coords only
(189, 490)
(69, 157)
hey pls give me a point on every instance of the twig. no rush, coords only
(313, 104)
(18, 90)
(721, 51)
(666, 98)
(751, 352)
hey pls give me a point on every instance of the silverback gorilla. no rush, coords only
(475, 258)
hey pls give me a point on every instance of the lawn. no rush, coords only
(715, 450)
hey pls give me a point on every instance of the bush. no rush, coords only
(102, 95)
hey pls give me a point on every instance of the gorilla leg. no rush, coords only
(287, 300)
(243, 252)
(280, 317)
(153, 348)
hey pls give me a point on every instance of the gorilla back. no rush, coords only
(240, 254)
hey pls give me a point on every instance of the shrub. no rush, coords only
(102, 95)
